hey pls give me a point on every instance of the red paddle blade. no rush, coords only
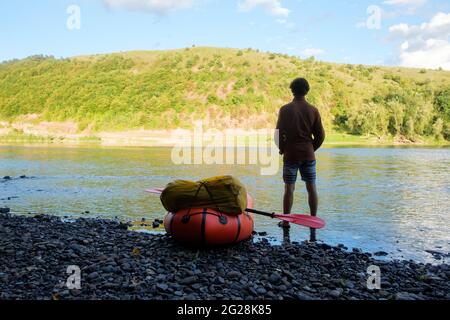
(155, 190)
(303, 220)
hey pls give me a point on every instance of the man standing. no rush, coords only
(301, 134)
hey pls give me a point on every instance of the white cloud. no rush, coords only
(426, 45)
(434, 54)
(151, 6)
(273, 7)
(410, 5)
(406, 2)
(438, 27)
(312, 52)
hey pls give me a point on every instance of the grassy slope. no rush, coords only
(228, 87)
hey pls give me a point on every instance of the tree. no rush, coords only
(438, 128)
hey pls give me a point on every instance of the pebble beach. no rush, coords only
(119, 264)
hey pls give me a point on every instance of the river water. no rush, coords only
(389, 199)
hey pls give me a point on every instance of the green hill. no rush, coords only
(231, 88)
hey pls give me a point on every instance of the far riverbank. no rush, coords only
(170, 138)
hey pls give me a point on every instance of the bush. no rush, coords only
(438, 128)
(442, 103)
(392, 77)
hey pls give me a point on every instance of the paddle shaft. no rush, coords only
(271, 215)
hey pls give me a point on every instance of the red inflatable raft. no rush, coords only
(207, 227)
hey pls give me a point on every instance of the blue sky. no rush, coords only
(408, 32)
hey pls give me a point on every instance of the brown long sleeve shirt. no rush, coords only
(301, 132)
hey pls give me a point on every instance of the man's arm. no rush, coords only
(318, 133)
(279, 138)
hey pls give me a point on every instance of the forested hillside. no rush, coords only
(230, 88)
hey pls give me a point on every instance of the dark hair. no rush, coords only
(300, 87)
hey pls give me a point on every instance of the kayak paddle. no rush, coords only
(300, 219)
(157, 191)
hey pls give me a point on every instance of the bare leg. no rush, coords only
(313, 200)
(288, 200)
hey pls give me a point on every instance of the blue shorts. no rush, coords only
(307, 171)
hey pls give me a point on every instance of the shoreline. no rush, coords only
(120, 264)
(167, 142)
(66, 133)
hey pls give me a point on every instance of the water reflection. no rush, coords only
(286, 236)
